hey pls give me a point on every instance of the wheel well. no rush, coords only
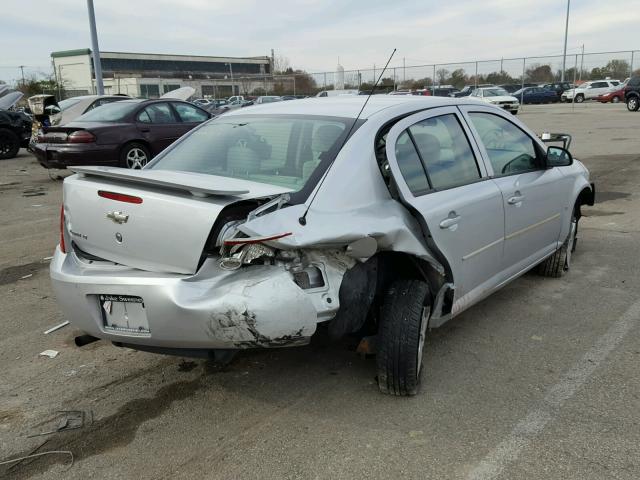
(143, 142)
(585, 197)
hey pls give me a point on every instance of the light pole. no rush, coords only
(231, 73)
(566, 33)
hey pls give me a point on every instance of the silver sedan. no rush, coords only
(260, 227)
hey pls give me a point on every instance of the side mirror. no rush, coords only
(558, 157)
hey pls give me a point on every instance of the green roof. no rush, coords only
(71, 53)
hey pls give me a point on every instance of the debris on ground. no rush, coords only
(67, 420)
(57, 327)
(26, 276)
(49, 353)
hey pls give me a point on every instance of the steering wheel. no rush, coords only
(522, 157)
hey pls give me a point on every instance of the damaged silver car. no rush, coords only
(259, 227)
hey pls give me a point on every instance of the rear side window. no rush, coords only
(410, 165)
(189, 113)
(510, 150)
(157, 113)
(445, 151)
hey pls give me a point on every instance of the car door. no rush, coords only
(440, 175)
(532, 193)
(596, 88)
(159, 125)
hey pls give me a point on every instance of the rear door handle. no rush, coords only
(515, 199)
(450, 221)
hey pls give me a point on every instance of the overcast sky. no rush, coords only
(312, 34)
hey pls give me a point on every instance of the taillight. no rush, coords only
(119, 197)
(63, 247)
(81, 136)
(250, 240)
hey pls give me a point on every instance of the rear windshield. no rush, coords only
(284, 150)
(111, 112)
(68, 103)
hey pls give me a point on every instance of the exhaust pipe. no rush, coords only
(82, 340)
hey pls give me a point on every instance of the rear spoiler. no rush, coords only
(198, 185)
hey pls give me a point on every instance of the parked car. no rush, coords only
(615, 95)
(514, 87)
(201, 102)
(127, 134)
(497, 96)
(253, 229)
(443, 91)
(267, 99)
(425, 92)
(535, 95)
(589, 90)
(632, 94)
(15, 127)
(558, 87)
(466, 90)
(337, 93)
(73, 107)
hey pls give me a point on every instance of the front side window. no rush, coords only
(445, 151)
(290, 151)
(510, 150)
(189, 113)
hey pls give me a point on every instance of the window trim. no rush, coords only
(540, 157)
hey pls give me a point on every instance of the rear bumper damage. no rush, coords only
(255, 306)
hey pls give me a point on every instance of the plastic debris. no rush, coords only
(49, 353)
(26, 276)
(57, 327)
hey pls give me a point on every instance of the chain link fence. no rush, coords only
(505, 71)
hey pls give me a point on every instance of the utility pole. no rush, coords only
(231, 72)
(96, 50)
(404, 72)
(22, 70)
(581, 64)
(566, 33)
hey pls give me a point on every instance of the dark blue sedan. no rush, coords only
(535, 95)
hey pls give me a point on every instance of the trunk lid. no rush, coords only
(166, 231)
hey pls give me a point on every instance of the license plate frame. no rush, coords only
(124, 314)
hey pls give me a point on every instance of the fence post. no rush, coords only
(524, 64)
(476, 76)
(631, 73)
(573, 100)
(434, 76)
(325, 80)
(394, 79)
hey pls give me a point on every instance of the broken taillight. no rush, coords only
(63, 247)
(81, 136)
(119, 197)
(250, 240)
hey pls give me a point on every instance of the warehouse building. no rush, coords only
(151, 75)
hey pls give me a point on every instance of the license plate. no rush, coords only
(124, 314)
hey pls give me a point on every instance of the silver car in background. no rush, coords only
(261, 225)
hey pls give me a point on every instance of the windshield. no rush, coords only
(111, 112)
(281, 150)
(68, 103)
(495, 92)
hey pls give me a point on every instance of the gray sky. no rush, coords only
(312, 34)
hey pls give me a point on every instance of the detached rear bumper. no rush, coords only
(256, 306)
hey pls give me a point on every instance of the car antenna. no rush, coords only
(303, 218)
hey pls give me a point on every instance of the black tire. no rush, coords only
(9, 144)
(579, 98)
(559, 263)
(134, 149)
(401, 336)
(633, 103)
(615, 100)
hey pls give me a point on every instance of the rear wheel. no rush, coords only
(633, 104)
(134, 155)
(401, 338)
(9, 144)
(615, 100)
(557, 264)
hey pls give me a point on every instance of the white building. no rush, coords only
(151, 75)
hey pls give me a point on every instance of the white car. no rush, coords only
(73, 107)
(497, 96)
(589, 90)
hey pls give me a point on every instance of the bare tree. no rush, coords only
(245, 84)
(281, 64)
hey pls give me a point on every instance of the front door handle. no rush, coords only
(450, 221)
(517, 198)
(145, 130)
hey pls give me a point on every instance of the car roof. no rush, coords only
(347, 106)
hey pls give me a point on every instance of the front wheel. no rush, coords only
(615, 100)
(401, 336)
(579, 98)
(9, 144)
(559, 263)
(633, 104)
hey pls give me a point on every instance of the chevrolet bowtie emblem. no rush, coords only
(118, 217)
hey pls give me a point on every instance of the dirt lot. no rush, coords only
(540, 381)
